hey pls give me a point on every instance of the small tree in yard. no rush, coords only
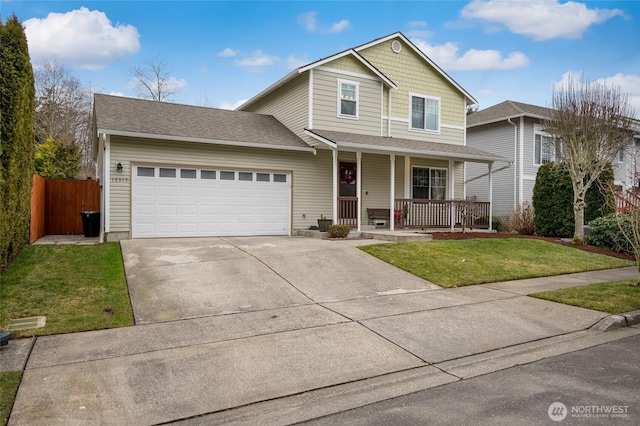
(589, 124)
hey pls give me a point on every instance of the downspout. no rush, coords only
(107, 185)
(521, 160)
(335, 185)
(515, 167)
(359, 187)
(490, 165)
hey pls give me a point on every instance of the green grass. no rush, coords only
(614, 297)
(78, 287)
(455, 263)
(9, 381)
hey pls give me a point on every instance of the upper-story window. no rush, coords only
(425, 112)
(348, 98)
(544, 149)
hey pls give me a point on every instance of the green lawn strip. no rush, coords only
(614, 297)
(78, 287)
(455, 263)
(9, 382)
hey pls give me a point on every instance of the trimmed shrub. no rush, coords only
(553, 200)
(605, 233)
(338, 231)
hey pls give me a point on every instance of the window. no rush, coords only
(187, 173)
(263, 177)
(545, 151)
(168, 173)
(347, 99)
(621, 156)
(279, 178)
(227, 175)
(207, 174)
(425, 113)
(146, 171)
(429, 184)
(245, 176)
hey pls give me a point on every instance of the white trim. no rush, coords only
(310, 99)
(537, 130)
(107, 184)
(347, 73)
(529, 177)
(516, 202)
(452, 190)
(202, 140)
(359, 187)
(521, 171)
(422, 55)
(490, 166)
(339, 113)
(388, 112)
(326, 141)
(398, 119)
(416, 152)
(407, 178)
(425, 97)
(452, 126)
(381, 109)
(358, 57)
(335, 186)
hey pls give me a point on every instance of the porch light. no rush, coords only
(119, 167)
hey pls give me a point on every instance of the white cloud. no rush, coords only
(232, 105)
(339, 26)
(117, 94)
(308, 20)
(446, 56)
(418, 29)
(85, 38)
(628, 83)
(228, 53)
(542, 19)
(175, 84)
(257, 60)
(293, 62)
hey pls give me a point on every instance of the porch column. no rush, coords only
(392, 192)
(335, 186)
(452, 193)
(359, 186)
(407, 177)
(490, 165)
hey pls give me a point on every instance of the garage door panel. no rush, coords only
(209, 203)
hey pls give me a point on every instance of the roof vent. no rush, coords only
(396, 46)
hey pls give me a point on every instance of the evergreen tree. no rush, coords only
(17, 104)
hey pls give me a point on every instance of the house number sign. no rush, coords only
(119, 180)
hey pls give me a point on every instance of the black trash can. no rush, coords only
(91, 224)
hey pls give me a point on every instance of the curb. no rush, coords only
(613, 322)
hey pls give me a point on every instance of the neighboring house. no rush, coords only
(377, 126)
(514, 131)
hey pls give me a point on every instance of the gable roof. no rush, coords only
(506, 110)
(117, 115)
(355, 53)
(411, 147)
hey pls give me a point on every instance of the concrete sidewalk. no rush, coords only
(283, 364)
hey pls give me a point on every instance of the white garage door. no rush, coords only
(190, 202)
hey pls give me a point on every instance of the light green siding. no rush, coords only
(325, 104)
(311, 174)
(453, 136)
(289, 104)
(413, 75)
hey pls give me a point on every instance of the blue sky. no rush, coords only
(220, 53)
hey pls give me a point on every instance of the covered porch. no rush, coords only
(406, 184)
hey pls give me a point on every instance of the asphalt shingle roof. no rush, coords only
(409, 146)
(117, 114)
(505, 110)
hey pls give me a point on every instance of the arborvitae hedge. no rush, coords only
(17, 103)
(553, 201)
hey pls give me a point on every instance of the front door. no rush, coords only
(348, 179)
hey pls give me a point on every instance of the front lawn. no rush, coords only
(615, 297)
(9, 381)
(454, 263)
(77, 287)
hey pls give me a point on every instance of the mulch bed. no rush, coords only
(468, 235)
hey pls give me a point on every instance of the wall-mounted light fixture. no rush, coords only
(119, 167)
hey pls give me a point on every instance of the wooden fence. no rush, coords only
(61, 205)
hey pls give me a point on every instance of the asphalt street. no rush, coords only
(596, 386)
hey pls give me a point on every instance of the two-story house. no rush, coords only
(515, 131)
(378, 126)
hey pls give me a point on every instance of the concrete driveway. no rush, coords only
(278, 330)
(172, 279)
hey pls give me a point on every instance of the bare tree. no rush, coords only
(63, 110)
(153, 81)
(589, 124)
